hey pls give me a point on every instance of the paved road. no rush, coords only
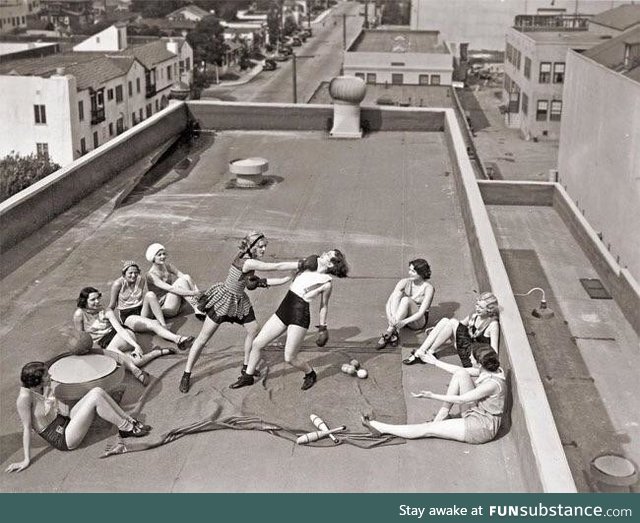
(325, 49)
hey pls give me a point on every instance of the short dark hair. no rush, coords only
(84, 296)
(421, 266)
(485, 356)
(339, 266)
(32, 373)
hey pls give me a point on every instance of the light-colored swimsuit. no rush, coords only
(483, 420)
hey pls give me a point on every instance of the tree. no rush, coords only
(19, 172)
(274, 22)
(156, 8)
(207, 41)
(290, 25)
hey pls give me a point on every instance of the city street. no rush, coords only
(324, 50)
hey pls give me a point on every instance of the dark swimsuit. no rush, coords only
(467, 335)
(294, 311)
(54, 433)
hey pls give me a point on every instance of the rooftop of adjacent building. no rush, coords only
(14, 47)
(621, 18)
(398, 41)
(559, 36)
(191, 8)
(617, 53)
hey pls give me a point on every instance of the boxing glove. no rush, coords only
(310, 263)
(253, 282)
(323, 335)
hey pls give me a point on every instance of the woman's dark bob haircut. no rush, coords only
(486, 356)
(421, 266)
(32, 373)
(339, 266)
(84, 296)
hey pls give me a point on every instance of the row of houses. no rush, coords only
(65, 104)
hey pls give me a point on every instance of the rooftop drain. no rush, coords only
(543, 312)
(595, 289)
(347, 93)
(248, 172)
(614, 473)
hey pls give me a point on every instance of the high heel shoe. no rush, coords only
(384, 340)
(135, 432)
(366, 422)
(186, 343)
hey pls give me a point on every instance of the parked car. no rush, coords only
(286, 49)
(280, 57)
(296, 42)
(269, 64)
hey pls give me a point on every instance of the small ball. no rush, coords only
(355, 363)
(362, 373)
(351, 370)
(78, 343)
(345, 368)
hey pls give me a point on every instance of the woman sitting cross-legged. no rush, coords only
(39, 410)
(481, 326)
(481, 403)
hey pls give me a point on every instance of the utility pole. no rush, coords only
(366, 14)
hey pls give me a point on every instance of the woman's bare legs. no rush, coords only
(295, 337)
(141, 324)
(252, 328)
(271, 330)
(443, 331)
(460, 383)
(151, 308)
(96, 401)
(209, 327)
(119, 346)
(172, 301)
(448, 429)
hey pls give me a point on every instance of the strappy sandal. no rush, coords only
(144, 378)
(383, 341)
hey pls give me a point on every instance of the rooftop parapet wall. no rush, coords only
(308, 117)
(618, 280)
(537, 439)
(30, 209)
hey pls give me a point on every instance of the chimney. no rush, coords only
(172, 46)
(60, 71)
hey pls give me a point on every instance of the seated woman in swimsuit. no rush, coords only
(227, 302)
(481, 326)
(481, 404)
(293, 315)
(39, 410)
(408, 305)
(107, 332)
(134, 305)
(169, 284)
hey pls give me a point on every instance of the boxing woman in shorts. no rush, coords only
(293, 316)
(227, 302)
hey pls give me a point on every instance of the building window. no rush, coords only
(138, 85)
(120, 125)
(525, 103)
(168, 72)
(110, 128)
(130, 88)
(149, 110)
(40, 113)
(96, 143)
(541, 112)
(435, 79)
(558, 72)
(371, 78)
(133, 119)
(119, 96)
(518, 57)
(141, 117)
(360, 75)
(97, 106)
(545, 73)
(157, 105)
(181, 66)
(83, 146)
(42, 150)
(556, 110)
(423, 79)
(109, 94)
(187, 64)
(397, 64)
(397, 79)
(527, 67)
(81, 110)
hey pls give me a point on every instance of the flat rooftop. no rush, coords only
(398, 41)
(384, 200)
(564, 37)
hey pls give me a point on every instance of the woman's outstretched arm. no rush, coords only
(482, 391)
(24, 411)
(257, 265)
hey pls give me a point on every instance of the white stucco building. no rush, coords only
(599, 156)
(399, 57)
(65, 105)
(14, 13)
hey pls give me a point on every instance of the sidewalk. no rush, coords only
(501, 149)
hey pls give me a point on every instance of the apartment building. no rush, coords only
(535, 67)
(599, 155)
(14, 14)
(399, 57)
(65, 105)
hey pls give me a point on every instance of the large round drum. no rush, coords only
(77, 375)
